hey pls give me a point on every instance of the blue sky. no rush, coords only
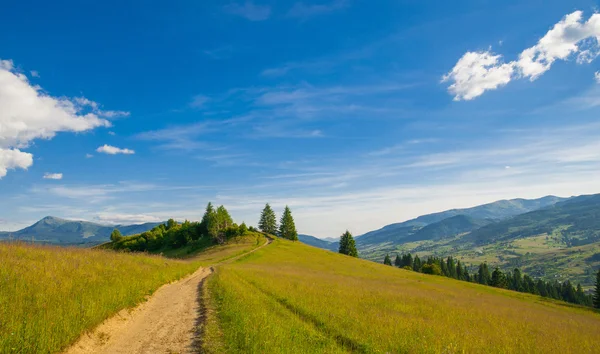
(357, 114)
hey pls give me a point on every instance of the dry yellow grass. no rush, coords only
(289, 297)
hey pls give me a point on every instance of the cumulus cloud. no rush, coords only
(477, 72)
(112, 150)
(14, 158)
(28, 113)
(56, 176)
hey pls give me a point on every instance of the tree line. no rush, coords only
(512, 280)
(215, 227)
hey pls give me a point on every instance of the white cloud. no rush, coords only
(114, 218)
(111, 150)
(34, 73)
(249, 11)
(14, 158)
(28, 113)
(56, 176)
(477, 72)
(88, 156)
(597, 76)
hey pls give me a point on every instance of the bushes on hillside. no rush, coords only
(216, 226)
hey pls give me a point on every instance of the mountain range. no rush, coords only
(442, 224)
(59, 231)
(550, 237)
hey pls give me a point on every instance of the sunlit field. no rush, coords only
(289, 297)
(50, 295)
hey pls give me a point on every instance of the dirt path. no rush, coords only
(166, 323)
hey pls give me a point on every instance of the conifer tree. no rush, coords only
(498, 279)
(387, 260)
(398, 261)
(287, 228)
(207, 218)
(347, 245)
(483, 275)
(597, 294)
(417, 264)
(268, 221)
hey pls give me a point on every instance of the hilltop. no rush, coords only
(53, 230)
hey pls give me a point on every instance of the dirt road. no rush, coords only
(166, 323)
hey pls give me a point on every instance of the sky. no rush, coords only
(356, 114)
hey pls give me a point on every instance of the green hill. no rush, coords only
(288, 297)
(53, 230)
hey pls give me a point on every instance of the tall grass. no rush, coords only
(50, 295)
(289, 297)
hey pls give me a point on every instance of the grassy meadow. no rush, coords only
(50, 295)
(293, 298)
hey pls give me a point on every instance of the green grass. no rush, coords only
(50, 295)
(289, 297)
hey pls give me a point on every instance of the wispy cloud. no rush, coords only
(304, 11)
(477, 72)
(249, 11)
(55, 176)
(125, 219)
(219, 53)
(199, 101)
(182, 137)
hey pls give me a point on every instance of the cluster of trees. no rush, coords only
(286, 228)
(514, 280)
(216, 226)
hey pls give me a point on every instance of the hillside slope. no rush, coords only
(59, 231)
(291, 297)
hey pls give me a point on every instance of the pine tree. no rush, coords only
(597, 295)
(207, 218)
(387, 260)
(347, 245)
(116, 236)
(483, 275)
(498, 279)
(459, 271)
(268, 221)
(417, 264)
(287, 228)
(398, 261)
